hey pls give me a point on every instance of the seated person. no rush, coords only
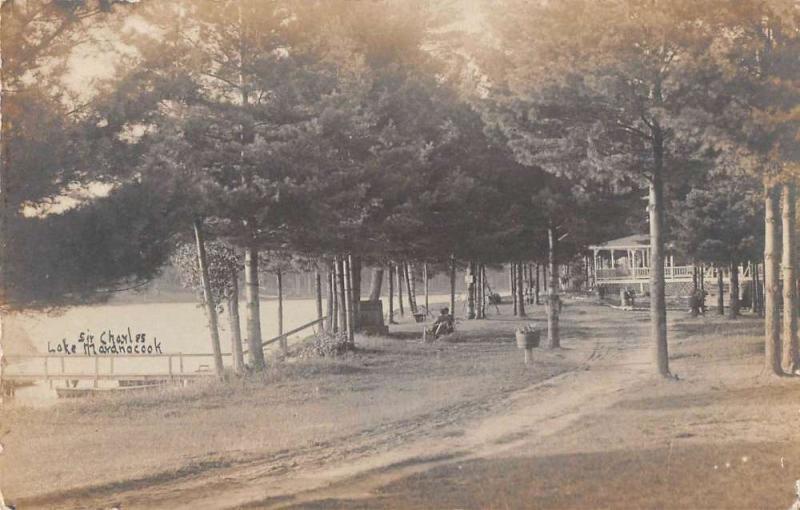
(443, 324)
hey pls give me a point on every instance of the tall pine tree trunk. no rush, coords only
(279, 281)
(484, 286)
(376, 284)
(331, 322)
(545, 280)
(471, 290)
(400, 284)
(340, 294)
(236, 330)
(253, 309)
(703, 290)
(694, 306)
(754, 287)
(720, 292)
(532, 281)
(412, 288)
(426, 285)
(355, 278)
(348, 296)
(252, 299)
(453, 285)
(390, 281)
(758, 293)
(763, 287)
(658, 300)
(512, 283)
(772, 334)
(733, 308)
(587, 273)
(408, 288)
(208, 297)
(482, 290)
(789, 281)
(318, 293)
(553, 299)
(478, 291)
(521, 290)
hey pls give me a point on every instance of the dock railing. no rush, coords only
(104, 367)
(289, 333)
(76, 367)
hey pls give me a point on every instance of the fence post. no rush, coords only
(170, 365)
(96, 370)
(111, 364)
(180, 362)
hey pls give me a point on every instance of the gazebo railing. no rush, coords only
(670, 272)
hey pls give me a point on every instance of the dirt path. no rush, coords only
(614, 356)
(617, 359)
(723, 436)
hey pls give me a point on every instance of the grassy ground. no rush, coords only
(388, 386)
(461, 424)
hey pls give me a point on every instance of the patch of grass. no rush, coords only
(210, 391)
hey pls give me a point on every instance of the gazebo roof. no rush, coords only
(623, 243)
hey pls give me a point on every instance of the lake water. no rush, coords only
(174, 327)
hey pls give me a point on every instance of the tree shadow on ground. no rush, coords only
(761, 395)
(730, 475)
(690, 327)
(404, 335)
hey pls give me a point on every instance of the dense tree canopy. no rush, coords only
(385, 131)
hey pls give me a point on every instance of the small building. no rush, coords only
(625, 262)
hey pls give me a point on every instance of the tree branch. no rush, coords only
(634, 130)
(220, 78)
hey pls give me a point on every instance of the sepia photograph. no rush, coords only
(399, 254)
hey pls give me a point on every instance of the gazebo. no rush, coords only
(626, 261)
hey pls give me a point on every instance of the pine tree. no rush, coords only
(602, 92)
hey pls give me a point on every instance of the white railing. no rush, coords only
(48, 367)
(294, 331)
(616, 272)
(682, 270)
(670, 273)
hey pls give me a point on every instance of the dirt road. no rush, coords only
(615, 359)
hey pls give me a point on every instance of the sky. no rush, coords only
(92, 62)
